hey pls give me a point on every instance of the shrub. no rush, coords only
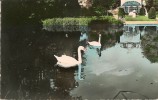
(121, 12)
(142, 11)
(75, 24)
(152, 13)
(157, 14)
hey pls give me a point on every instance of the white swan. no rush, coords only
(96, 43)
(67, 61)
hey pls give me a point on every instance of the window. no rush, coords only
(133, 8)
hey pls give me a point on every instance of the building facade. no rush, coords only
(130, 5)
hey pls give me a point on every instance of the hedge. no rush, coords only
(75, 24)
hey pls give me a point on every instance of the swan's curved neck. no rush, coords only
(99, 38)
(79, 56)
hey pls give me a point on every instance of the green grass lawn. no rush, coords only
(138, 18)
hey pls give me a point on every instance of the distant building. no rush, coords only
(130, 5)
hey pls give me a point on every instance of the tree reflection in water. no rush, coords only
(150, 44)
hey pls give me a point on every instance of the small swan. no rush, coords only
(67, 61)
(96, 43)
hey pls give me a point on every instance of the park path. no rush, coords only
(141, 22)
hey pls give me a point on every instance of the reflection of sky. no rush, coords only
(130, 38)
(115, 58)
(117, 69)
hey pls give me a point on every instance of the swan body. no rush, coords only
(96, 43)
(67, 61)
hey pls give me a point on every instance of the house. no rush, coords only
(132, 5)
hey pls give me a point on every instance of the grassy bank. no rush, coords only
(138, 18)
(69, 22)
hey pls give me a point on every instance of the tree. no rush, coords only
(99, 10)
(149, 4)
(101, 6)
(152, 13)
(142, 11)
(121, 12)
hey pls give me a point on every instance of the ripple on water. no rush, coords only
(122, 72)
(105, 68)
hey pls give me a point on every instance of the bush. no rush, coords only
(75, 24)
(142, 11)
(121, 12)
(152, 13)
(99, 11)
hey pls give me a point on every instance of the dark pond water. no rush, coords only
(119, 71)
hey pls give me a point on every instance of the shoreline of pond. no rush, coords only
(70, 24)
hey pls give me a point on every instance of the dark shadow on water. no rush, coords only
(28, 63)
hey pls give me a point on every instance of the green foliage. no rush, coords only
(152, 13)
(103, 3)
(99, 10)
(157, 14)
(100, 7)
(138, 18)
(142, 11)
(55, 24)
(152, 3)
(121, 12)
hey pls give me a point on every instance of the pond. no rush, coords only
(116, 70)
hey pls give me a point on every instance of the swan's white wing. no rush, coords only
(66, 65)
(67, 59)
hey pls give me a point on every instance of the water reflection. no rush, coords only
(83, 36)
(130, 40)
(150, 44)
(129, 95)
(80, 76)
(34, 75)
(117, 67)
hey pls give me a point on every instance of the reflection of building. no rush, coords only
(130, 5)
(130, 40)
